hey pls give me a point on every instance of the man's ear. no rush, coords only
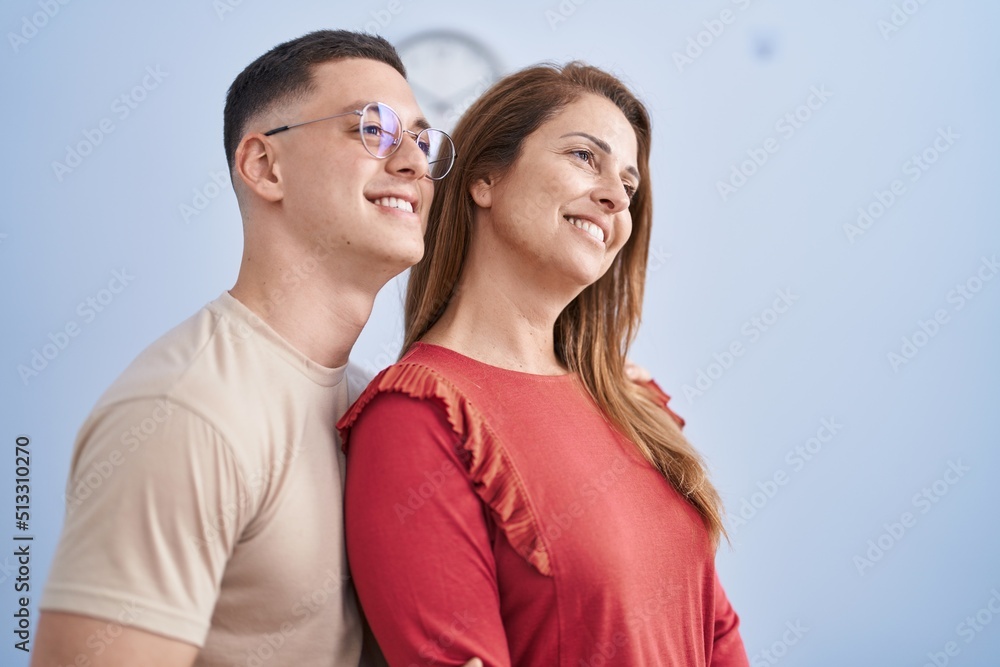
(482, 192)
(256, 165)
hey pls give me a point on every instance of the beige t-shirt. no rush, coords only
(205, 498)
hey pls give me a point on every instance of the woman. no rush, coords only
(510, 494)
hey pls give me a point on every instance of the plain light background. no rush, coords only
(719, 261)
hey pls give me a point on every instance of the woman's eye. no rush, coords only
(584, 155)
(629, 190)
(373, 130)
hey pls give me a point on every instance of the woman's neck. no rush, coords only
(500, 319)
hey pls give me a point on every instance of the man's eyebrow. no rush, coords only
(603, 145)
(421, 122)
(356, 105)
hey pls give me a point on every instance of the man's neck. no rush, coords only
(320, 318)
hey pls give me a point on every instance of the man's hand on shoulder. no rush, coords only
(636, 373)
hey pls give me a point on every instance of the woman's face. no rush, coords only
(562, 209)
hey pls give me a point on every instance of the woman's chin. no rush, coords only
(580, 278)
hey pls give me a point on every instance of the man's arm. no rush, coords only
(637, 373)
(65, 640)
(149, 527)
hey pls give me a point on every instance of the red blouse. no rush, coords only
(497, 514)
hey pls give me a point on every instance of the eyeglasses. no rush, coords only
(382, 132)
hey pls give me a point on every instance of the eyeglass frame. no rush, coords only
(395, 144)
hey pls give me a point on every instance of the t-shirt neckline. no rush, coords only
(242, 315)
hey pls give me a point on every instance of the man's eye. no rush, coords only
(373, 130)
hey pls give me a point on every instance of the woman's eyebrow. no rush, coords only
(603, 145)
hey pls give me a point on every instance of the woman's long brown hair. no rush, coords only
(594, 332)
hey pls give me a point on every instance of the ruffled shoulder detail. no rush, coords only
(663, 399)
(494, 478)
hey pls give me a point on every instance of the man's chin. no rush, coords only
(399, 259)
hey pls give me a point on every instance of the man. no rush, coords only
(216, 538)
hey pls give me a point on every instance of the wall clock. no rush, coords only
(448, 70)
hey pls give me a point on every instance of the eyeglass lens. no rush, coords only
(382, 131)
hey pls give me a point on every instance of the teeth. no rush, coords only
(394, 202)
(588, 227)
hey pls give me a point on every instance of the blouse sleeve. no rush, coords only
(417, 539)
(663, 398)
(727, 649)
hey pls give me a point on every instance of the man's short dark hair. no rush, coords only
(285, 72)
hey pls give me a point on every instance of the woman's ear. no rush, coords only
(482, 192)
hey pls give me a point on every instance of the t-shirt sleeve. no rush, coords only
(154, 506)
(727, 649)
(417, 538)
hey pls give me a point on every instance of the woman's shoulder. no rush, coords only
(424, 375)
(435, 378)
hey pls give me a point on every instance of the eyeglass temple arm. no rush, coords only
(356, 112)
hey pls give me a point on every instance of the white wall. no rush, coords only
(718, 262)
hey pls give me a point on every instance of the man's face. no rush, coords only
(334, 190)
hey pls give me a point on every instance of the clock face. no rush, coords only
(448, 71)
